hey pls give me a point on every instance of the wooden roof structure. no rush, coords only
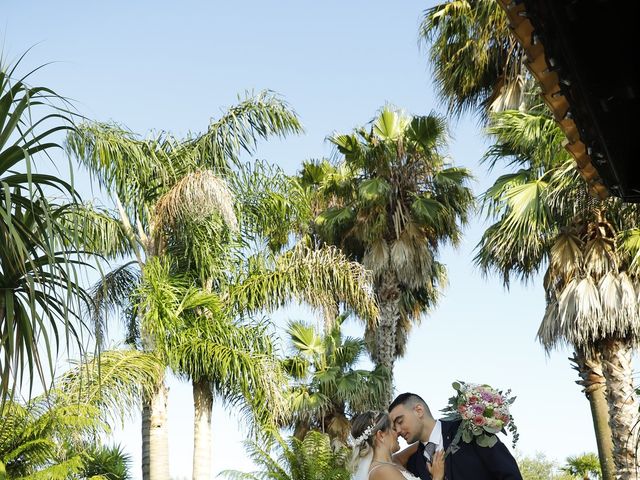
(585, 55)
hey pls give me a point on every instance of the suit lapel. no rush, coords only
(448, 432)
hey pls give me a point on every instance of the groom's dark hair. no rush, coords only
(409, 399)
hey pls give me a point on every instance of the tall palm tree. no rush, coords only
(545, 218)
(312, 457)
(390, 203)
(234, 360)
(477, 64)
(38, 253)
(137, 173)
(325, 387)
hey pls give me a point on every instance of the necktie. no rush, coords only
(429, 451)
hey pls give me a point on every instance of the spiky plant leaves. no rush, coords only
(39, 251)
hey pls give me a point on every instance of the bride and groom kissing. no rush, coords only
(432, 453)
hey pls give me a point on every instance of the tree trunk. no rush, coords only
(593, 381)
(388, 294)
(155, 438)
(300, 430)
(202, 407)
(623, 405)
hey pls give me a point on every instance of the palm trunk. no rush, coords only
(301, 429)
(593, 381)
(155, 438)
(202, 404)
(623, 405)
(385, 334)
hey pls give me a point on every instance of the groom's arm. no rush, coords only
(402, 456)
(499, 461)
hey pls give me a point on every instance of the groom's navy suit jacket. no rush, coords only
(470, 462)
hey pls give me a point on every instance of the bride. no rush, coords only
(374, 445)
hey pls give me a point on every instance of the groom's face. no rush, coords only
(406, 421)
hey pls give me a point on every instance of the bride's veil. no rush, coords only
(360, 463)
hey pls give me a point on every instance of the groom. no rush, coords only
(412, 419)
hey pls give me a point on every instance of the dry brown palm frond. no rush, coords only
(566, 255)
(196, 195)
(403, 259)
(599, 257)
(510, 95)
(588, 307)
(424, 265)
(610, 293)
(586, 313)
(376, 258)
(628, 318)
(549, 327)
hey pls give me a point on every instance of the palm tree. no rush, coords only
(545, 217)
(232, 359)
(138, 173)
(312, 457)
(38, 252)
(325, 388)
(477, 64)
(585, 466)
(390, 203)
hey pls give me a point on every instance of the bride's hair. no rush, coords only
(364, 428)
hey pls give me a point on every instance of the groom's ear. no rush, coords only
(419, 409)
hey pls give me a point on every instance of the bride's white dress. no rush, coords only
(405, 473)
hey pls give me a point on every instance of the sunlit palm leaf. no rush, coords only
(258, 116)
(115, 381)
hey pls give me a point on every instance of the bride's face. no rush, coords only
(390, 439)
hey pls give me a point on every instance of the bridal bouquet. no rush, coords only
(484, 412)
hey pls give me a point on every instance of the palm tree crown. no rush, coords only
(390, 203)
(326, 388)
(477, 64)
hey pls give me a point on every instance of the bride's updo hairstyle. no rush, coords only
(364, 428)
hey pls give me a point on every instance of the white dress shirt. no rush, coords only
(435, 437)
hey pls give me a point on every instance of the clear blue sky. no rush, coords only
(159, 65)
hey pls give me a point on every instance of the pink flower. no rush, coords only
(473, 399)
(479, 420)
(462, 408)
(477, 409)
